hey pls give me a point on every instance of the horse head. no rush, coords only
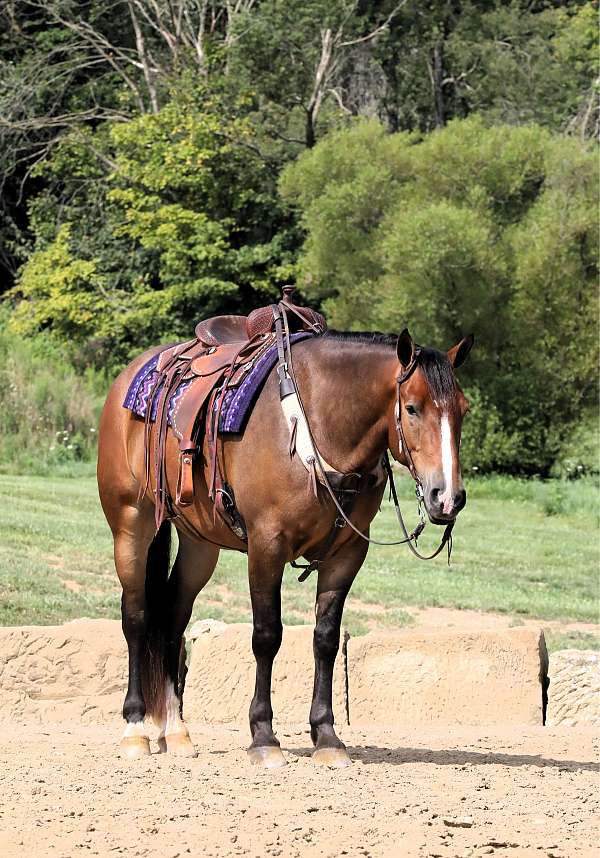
(430, 408)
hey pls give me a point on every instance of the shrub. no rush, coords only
(48, 411)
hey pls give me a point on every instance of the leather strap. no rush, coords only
(185, 482)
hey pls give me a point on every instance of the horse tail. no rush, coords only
(154, 661)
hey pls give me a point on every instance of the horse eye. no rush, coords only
(410, 409)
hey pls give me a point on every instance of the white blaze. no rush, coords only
(447, 465)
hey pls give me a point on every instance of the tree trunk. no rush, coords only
(438, 83)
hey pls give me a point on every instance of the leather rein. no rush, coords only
(286, 373)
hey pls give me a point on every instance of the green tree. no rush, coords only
(182, 221)
(298, 57)
(490, 229)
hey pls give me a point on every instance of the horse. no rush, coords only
(363, 395)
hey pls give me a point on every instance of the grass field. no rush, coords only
(526, 549)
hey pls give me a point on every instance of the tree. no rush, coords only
(490, 229)
(183, 222)
(297, 57)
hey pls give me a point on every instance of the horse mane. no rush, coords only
(366, 337)
(438, 372)
(435, 365)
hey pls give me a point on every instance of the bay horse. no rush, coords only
(357, 411)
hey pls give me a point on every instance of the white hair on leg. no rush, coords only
(134, 728)
(172, 722)
(174, 737)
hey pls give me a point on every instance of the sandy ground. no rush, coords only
(454, 792)
(451, 618)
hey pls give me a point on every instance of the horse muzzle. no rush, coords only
(442, 508)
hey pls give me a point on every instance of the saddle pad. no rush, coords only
(237, 404)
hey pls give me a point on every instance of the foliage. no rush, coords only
(471, 228)
(183, 224)
(580, 453)
(48, 410)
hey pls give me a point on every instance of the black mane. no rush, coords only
(438, 372)
(367, 337)
(436, 367)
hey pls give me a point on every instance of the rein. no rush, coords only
(286, 373)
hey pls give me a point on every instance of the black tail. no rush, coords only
(154, 667)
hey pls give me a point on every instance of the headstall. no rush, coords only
(287, 377)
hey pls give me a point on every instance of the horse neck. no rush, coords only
(348, 389)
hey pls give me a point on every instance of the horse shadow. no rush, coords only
(374, 755)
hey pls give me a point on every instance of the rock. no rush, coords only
(220, 679)
(574, 690)
(205, 627)
(458, 821)
(77, 671)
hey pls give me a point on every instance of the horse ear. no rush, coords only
(405, 349)
(458, 354)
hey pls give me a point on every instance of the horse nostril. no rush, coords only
(435, 500)
(460, 499)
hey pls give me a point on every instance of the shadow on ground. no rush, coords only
(401, 756)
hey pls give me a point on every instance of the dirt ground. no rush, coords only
(464, 620)
(455, 792)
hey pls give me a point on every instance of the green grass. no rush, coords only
(523, 548)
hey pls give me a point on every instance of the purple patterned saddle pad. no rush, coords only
(237, 403)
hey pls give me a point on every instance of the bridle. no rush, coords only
(409, 539)
(419, 491)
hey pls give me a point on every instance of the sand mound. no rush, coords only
(574, 692)
(78, 672)
(73, 672)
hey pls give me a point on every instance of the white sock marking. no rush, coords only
(447, 465)
(134, 728)
(173, 722)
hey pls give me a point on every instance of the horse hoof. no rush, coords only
(132, 747)
(178, 744)
(267, 757)
(335, 758)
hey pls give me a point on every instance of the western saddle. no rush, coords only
(217, 360)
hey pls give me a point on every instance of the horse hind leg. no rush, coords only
(142, 563)
(193, 568)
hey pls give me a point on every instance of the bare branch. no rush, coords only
(383, 26)
(141, 48)
(62, 120)
(338, 98)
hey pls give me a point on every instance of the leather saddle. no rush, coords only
(223, 352)
(221, 330)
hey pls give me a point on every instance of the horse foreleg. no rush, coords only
(193, 568)
(265, 570)
(335, 579)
